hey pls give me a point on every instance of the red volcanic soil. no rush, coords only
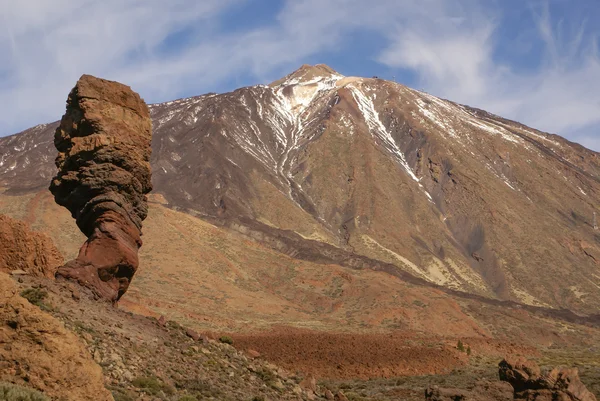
(345, 356)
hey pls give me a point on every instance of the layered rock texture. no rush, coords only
(37, 351)
(104, 175)
(23, 251)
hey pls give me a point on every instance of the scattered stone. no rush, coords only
(530, 384)
(42, 353)
(521, 379)
(253, 353)
(483, 390)
(18, 272)
(192, 334)
(309, 383)
(340, 396)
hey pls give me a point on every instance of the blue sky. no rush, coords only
(536, 61)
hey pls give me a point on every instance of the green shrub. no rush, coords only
(152, 385)
(460, 346)
(469, 350)
(12, 392)
(34, 295)
(226, 340)
(121, 396)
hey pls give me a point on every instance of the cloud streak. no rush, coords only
(164, 50)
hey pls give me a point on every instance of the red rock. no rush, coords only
(309, 383)
(23, 251)
(104, 175)
(519, 372)
(530, 384)
(192, 334)
(340, 396)
(162, 321)
(253, 353)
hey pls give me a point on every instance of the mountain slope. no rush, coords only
(447, 193)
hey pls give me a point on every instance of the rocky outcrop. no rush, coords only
(26, 252)
(521, 373)
(520, 380)
(530, 384)
(104, 175)
(37, 351)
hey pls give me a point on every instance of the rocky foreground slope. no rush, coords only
(446, 193)
(38, 352)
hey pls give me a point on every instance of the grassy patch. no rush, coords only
(151, 385)
(187, 398)
(35, 296)
(12, 392)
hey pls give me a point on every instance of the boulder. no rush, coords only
(521, 373)
(530, 384)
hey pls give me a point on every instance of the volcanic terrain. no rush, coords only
(349, 228)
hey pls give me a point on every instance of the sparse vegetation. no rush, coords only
(34, 295)
(188, 398)
(121, 394)
(460, 346)
(226, 340)
(152, 385)
(12, 392)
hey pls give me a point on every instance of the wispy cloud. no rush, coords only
(454, 48)
(458, 61)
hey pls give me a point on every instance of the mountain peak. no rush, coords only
(308, 74)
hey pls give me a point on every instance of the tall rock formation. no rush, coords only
(104, 175)
(27, 251)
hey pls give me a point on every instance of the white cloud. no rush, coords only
(456, 61)
(50, 44)
(450, 45)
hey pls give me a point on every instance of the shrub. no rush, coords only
(12, 392)
(120, 396)
(152, 385)
(460, 346)
(34, 295)
(226, 340)
(469, 350)
(187, 398)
